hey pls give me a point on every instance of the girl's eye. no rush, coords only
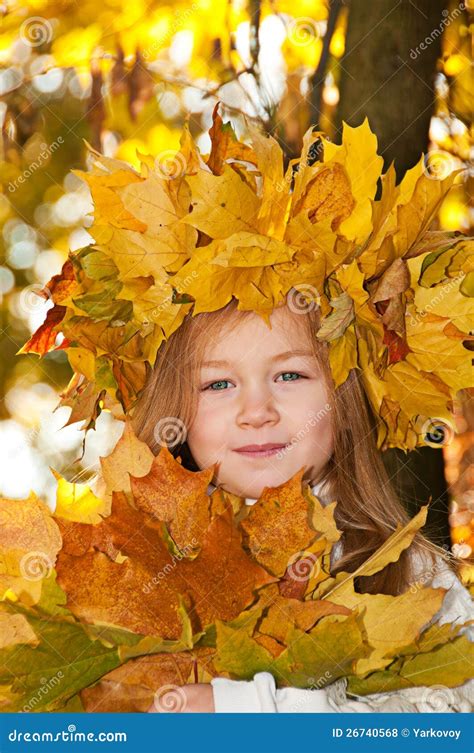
(292, 374)
(218, 389)
(218, 386)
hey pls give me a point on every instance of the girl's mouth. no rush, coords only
(266, 451)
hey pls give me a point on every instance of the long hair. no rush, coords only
(368, 509)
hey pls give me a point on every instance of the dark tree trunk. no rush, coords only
(386, 75)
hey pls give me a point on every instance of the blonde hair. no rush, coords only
(368, 509)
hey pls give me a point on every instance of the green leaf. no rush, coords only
(237, 652)
(101, 302)
(71, 656)
(65, 661)
(99, 266)
(331, 649)
(448, 665)
(53, 598)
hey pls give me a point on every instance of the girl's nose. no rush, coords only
(257, 409)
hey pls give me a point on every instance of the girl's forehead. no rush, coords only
(252, 336)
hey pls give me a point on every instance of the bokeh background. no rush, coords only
(125, 76)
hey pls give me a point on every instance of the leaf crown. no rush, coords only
(190, 232)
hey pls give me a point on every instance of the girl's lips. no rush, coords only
(261, 453)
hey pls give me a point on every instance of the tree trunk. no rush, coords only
(388, 76)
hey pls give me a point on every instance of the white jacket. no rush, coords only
(262, 695)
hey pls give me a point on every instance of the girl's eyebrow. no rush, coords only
(279, 357)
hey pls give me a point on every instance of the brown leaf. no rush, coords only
(176, 496)
(61, 286)
(224, 144)
(278, 525)
(286, 613)
(395, 280)
(140, 589)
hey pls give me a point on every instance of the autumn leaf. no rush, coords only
(225, 145)
(222, 204)
(77, 502)
(176, 496)
(106, 569)
(447, 662)
(389, 552)
(278, 525)
(330, 649)
(44, 339)
(70, 655)
(129, 457)
(29, 542)
(335, 325)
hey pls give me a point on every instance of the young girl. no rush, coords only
(260, 401)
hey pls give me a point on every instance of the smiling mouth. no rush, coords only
(261, 453)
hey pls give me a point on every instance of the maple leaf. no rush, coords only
(105, 568)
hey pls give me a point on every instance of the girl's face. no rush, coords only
(261, 386)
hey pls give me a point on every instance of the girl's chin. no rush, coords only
(253, 491)
(265, 480)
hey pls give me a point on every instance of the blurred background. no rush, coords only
(125, 76)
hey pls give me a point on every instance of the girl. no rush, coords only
(259, 400)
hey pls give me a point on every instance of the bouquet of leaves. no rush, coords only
(109, 601)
